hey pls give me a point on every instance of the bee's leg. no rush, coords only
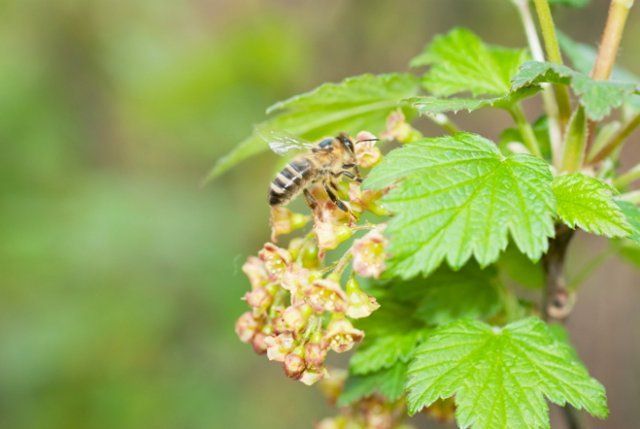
(311, 202)
(353, 175)
(332, 196)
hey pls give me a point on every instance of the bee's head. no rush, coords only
(346, 142)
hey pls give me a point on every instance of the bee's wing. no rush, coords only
(280, 141)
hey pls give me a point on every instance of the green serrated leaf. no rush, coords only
(461, 62)
(596, 96)
(632, 214)
(461, 197)
(583, 57)
(388, 382)
(575, 141)
(355, 104)
(378, 353)
(429, 105)
(500, 376)
(450, 295)
(588, 203)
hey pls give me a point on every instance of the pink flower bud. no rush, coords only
(330, 235)
(279, 346)
(295, 317)
(284, 221)
(256, 271)
(315, 351)
(246, 327)
(369, 253)
(259, 299)
(341, 336)
(258, 343)
(359, 303)
(313, 375)
(398, 129)
(294, 364)
(367, 154)
(296, 279)
(326, 295)
(275, 260)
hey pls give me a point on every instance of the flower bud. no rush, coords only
(275, 260)
(341, 336)
(296, 279)
(258, 343)
(295, 317)
(315, 351)
(278, 346)
(284, 221)
(369, 253)
(294, 364)
(330, 235)
(310, 257)
(367, 154)
(326, 295)
(313, 375)
(256, 271)
(359, 303)
(259, 299)
(246, 327)
(398, 129)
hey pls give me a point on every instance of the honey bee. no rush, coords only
(326, 162)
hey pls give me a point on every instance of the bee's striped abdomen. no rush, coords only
(289, 182)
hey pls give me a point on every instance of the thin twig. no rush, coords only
(556, 303)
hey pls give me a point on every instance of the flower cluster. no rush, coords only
(299, 310)
(372, 412)
(297, 315)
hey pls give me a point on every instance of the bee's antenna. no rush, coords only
(367, 140)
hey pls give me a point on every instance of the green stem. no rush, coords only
(526, 130)
(610, 42)
(550, 105)
(443, 120)
(627, 178)
(553, 53)
(616, 140)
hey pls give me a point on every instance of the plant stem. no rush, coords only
(444, 121)
(610, 42)
(627, 178)
(526, 130)
(550, 105)
(553, 53)
(616, 140)
(556, 302)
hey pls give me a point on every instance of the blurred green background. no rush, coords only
(120, 276)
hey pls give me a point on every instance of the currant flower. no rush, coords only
(359, 304)
(369, 253)
(285, 221)
(326, 295)
(341, 336)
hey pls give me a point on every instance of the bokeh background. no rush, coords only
(120, 276)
